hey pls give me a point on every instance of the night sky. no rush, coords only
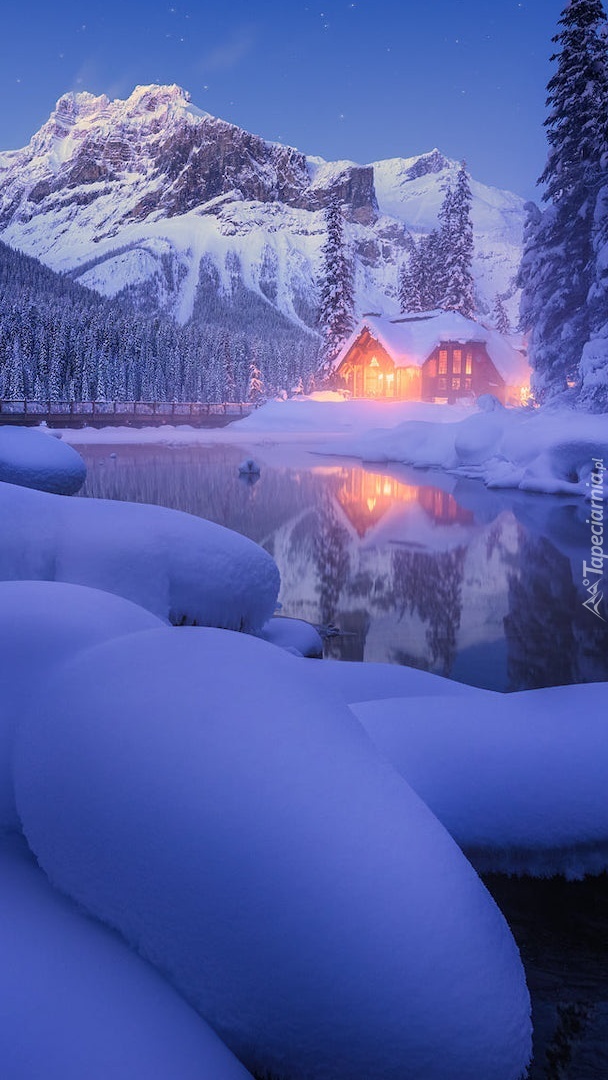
(363, 80)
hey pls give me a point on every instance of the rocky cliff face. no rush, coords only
(136, 193)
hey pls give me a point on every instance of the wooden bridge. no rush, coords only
(77, 414)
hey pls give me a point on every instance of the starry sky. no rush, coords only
(358, 79)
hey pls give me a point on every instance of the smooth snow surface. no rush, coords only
(43, 623)
(519, 780)
(78, 1004)
(353, 681)
(190, 788)
(35, 459)
(296, 635)
(174, 564)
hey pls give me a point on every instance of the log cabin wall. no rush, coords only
(368, 370)
(455, 370)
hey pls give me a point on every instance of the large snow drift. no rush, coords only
(245, 836)
(174, 564)
(43, 623)
(519, 780)
(353, 681)
(36, 459)
(78, 1004)
(544, 451)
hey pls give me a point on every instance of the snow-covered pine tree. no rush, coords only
(15, 386)
(500, 316)
(336, 293)
(456, 244)
(255, 386)
(407, 284)
(558, 264)
(594, 360)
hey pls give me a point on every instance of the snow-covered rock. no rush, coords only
(77, 1002)
(35, 459)
(42, 624)
(295, 635)
(176, 565)
(519, 780)
(244, 835)
(129, 193)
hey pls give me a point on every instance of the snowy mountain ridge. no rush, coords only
(147, 192)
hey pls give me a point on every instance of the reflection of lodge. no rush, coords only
(433, 356)
(366, 497)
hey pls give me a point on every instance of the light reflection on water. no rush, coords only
(413, 568)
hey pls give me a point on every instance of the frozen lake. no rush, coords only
(412, 567)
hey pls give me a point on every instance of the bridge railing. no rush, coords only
(26, 407)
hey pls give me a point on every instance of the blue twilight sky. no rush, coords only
(359, 79)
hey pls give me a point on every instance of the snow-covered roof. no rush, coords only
(411, 338)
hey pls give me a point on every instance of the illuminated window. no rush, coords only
(468, 384)
(457, 361)
(455, 384)
(469, 364)
(443, 361)
(373, 362)
(442, 384)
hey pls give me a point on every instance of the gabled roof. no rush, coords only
(410, 339)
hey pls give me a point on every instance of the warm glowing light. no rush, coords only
(366, 497)
(373, 362)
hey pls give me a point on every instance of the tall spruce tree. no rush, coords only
(337, 299)
(558, 265)
(456, 236)
(438, 272)
(501, 318)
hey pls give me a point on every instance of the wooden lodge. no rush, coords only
(437, 356)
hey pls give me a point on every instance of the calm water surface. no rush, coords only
(412, 567)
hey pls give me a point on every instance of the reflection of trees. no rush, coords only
(431, 586)
(539, 626)
(330, 555)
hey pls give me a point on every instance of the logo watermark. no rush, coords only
(593, 571)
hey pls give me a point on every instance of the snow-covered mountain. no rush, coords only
(153, 194)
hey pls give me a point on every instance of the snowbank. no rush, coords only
(543, 451)
(244, 835)
(43, 623)
(315, 414)
(519, 780)
(295, 635)
(174, 564)
(35, 459)
(352, 681)
(78, 1004)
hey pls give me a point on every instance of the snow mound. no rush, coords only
(174, 564)
(43, 623)
(542, 451)
(296, 635)
(352, 681)
(36, 459)
(78, 1003)
(519, 780)
(245, 836)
